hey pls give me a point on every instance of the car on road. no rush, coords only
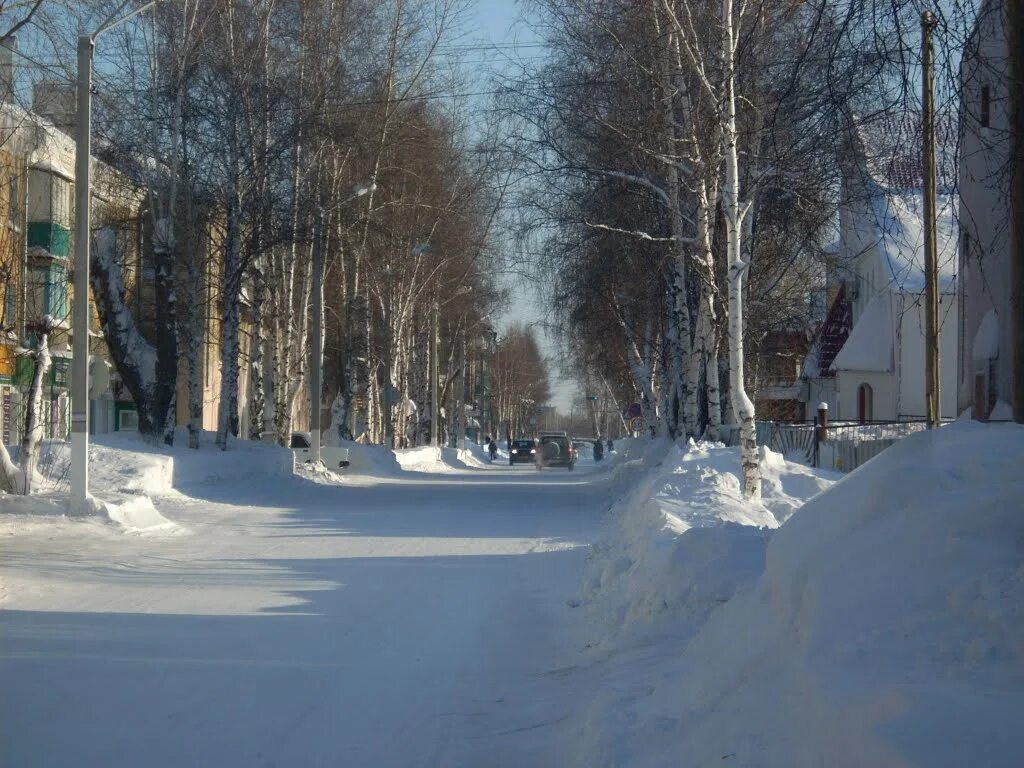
(332, 456)
(555, 451)
(521, 451)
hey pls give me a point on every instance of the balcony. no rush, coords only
(49, 237)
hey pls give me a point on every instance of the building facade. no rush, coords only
(878, 373)
(986, 364)
(36, 266)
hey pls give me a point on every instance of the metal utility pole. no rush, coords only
(435, 407)
(387, 403)
(1015, 40)
(460, 417)
(83, 232)
(316, 366)
(80, 320)
(931, 258)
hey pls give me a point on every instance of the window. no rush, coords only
(10, 305)
(55, 300)
(60, 205)
(13, 201)
(864, 403)
(61, 369)
(128, 420)
(985, 113)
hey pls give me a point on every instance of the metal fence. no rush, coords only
(841, 446)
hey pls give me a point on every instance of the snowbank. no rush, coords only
(137, 514)
(884, 630)
(126, 472)
(374, 460)
(683, 540)
(134, 514)
(425, 458)
(125, 463)
(477, 456)
(431, 459)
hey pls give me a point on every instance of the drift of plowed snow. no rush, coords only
(882, 628)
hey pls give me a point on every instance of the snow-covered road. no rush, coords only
(414, 621)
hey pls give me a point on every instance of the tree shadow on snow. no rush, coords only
(351, 661)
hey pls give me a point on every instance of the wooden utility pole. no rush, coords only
(1015, 42)
(931, 258)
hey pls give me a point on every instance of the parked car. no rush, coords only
(331, 456)
(522, 450)
(555, 451)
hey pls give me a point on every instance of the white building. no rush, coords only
(879, 372)
(985, 374)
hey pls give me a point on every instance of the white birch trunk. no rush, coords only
(33, 416)
(11, 478)
(257, 401)
(300, 357)
(734, 212)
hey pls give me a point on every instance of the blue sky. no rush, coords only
(495, 17)
(499, 22)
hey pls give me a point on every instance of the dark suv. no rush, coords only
(521, 451)
(555, 451)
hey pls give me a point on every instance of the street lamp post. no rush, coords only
(389, 356)
(316, 367)
(83, 233)
(435, 409)
(460, 419)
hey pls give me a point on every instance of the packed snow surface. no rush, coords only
(387, 619)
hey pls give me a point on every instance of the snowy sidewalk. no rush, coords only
(385, 623)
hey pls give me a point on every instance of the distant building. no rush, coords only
(878, 374)
(36, 256)
(986, 363)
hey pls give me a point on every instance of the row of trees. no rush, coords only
(680, 174)
(266, 131)
(267, 136)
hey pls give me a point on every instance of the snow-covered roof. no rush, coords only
(44, 146)
(889, 149)
(870, 345)
(899, 218)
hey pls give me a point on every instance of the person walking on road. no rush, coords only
(492, 449)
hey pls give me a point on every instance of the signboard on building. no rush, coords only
(8, 363)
